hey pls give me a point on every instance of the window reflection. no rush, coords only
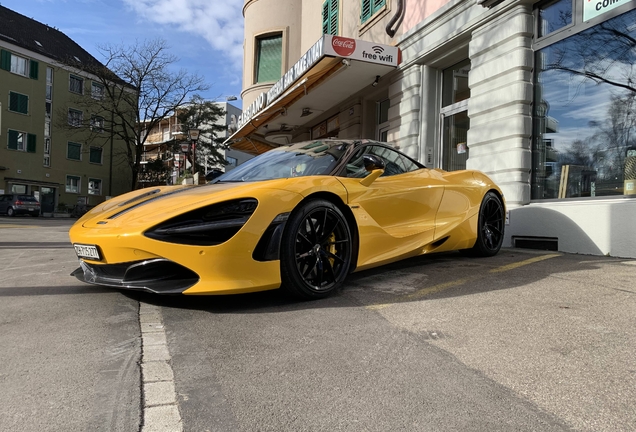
(554, 16)
(585, 113)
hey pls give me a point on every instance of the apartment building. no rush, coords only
(163, 143)
(538, 95)
(52, 140)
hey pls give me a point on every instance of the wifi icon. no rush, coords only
(377, 49)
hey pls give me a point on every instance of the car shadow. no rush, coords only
(408, 280)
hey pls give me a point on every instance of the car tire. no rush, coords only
(10, 212)
(490, 227)
(316, 250)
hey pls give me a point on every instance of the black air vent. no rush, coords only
(538, 243)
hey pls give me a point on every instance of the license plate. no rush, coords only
(87, 251)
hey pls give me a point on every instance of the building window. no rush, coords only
(74, 151)
(454, 112)
(330, 17)
(76, 84)
(21, 141)
(95, 155)
(49, 84)
(97, 91)
(18, 103)
(369, 8)
(94, 186)
(75, 117)
(554, 16)
(19, 65)
(232, 162)
(383, 123)
(47, 152)
(73, 184)
(585, 113)
(269, 57)
(97, 123)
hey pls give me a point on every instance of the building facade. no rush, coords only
(163, 144)
(538, 95)
(52, 143)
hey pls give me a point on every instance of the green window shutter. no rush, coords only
(5, 60)
(33, 69)
(377, 4)
(13, 139)
(325, 17)
(333, 17)
(18, 103)
(31, 143)
(366, 10)
(23, 104)
(370, 7)
(269, 58)
(330, 17)
(74, 151)
(95, 155)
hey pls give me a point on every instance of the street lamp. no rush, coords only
(193, 135)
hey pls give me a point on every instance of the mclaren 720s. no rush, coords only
(300, 217)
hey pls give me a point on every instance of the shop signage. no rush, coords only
(327, 45)
(355, 49)
(594, 8)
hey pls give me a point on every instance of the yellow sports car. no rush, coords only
(299, 217)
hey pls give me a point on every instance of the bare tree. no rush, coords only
(604, 54)
(138, 89)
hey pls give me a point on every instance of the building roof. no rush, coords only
(40, 38)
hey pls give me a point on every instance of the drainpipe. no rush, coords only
(397, 17)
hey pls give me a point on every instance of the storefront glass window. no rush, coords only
(585, 113)
(554, 16)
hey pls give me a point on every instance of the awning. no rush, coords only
(334, 69)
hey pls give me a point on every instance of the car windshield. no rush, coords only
(305, 159)
(26, 198)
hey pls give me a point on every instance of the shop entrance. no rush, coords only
(47, 199)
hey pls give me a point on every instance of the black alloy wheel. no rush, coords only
(316, 250)
(490, 226)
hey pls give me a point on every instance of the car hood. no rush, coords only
(142, 209)
(150, 206)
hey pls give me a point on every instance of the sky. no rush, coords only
(206, 35)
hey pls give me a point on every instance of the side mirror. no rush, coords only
(375, 166)
(373, 162)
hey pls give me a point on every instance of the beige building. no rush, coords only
(163, 143)
(52, 142)
(538, 95)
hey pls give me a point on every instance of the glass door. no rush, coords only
(454, 116)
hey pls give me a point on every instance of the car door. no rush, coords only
(3, 203)
(396, 213)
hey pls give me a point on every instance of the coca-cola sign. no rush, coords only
(343, 46)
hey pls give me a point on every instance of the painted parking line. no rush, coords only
(424, 292)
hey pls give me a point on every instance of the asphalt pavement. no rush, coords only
(527, 340)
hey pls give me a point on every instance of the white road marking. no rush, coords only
(160, 407)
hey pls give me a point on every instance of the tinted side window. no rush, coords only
(395, 162)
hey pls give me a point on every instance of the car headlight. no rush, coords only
(206, 226)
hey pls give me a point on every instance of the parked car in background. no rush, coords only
(15, 204)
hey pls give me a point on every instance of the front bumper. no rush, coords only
(159, 276)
